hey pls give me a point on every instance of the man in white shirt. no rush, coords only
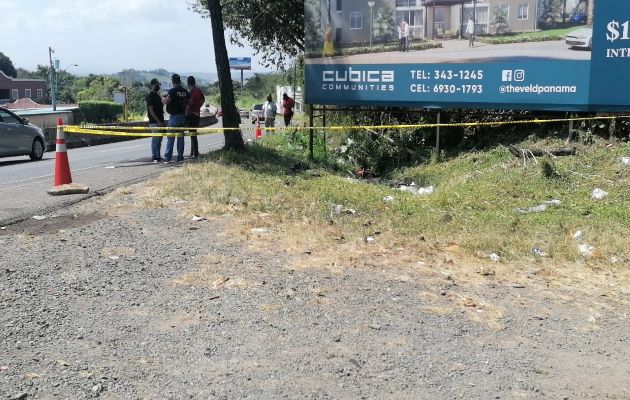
(403, 35)
(470, 32)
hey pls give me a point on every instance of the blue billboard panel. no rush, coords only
(240, 62)
(472, 54)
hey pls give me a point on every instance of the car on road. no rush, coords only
(244, 114)
(18, 137)
(256, 113)
(581, 38)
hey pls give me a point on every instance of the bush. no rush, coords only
(96, 112)
(381, 48)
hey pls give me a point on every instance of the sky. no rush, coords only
(107, 36)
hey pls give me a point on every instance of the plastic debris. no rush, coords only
(540, 208)
(197, 218)
(538, 252)
(577, 235)
(494, 257)
(260, 230)
(599, 194)
(39, 217)
(586, 250)
(388, 199)
(625, 161)
(426, 190)
(370, 239)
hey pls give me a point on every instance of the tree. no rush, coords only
(500, 23)
(274, 28)
(385, 27)
(231, 118)
(6, 66)
(591, 6)
(550, 12)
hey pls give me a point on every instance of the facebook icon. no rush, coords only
(507, 75)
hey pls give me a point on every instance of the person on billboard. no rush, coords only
(329, 50)
(403, 35)
(470, 32)
(287, 108)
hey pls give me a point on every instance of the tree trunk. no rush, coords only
(231, 119)
(591, 5)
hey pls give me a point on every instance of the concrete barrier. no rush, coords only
(74, 141)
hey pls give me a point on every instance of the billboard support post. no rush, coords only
(310, 131)
(437, 136)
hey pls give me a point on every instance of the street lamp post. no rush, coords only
(371, 5)
(62, 70)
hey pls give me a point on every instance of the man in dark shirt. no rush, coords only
(176, 102)
(155, 111)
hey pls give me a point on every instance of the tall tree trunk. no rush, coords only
(564, 12)
(231, 119)
(591, 5)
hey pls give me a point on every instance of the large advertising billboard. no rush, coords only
(511, 54)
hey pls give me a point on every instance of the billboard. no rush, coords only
(504, 54)
(241, 63)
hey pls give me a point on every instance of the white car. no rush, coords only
(581, 38)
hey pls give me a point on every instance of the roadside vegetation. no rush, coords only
(538, 36)
(478, 208)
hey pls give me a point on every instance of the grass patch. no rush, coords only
(539, 36)
(473, 208)
(381, 48)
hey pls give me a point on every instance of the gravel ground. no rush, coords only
(114, 300)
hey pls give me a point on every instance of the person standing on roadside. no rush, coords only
(270, 110)
(176, 101)
(193, 114)
(155, 111)
(470, 31)
(403, 35)
(287, 108)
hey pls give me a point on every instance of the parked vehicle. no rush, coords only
(581, 38)
(256, 114)
(244, 114)
(20, 138)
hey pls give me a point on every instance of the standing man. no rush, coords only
(176, 101)
(470, 31)
(193, 114)
(270, 110)
(155, 111)
(287, 109)
(403, 35)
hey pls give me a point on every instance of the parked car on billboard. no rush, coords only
(581, 38)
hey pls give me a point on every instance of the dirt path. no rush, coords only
(115, 300)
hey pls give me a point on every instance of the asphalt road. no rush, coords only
(24, 183)
(457, 51)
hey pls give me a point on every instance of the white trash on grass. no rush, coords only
(417, 191)
(625, 161)
(586, 250)
(495, 257)
(540, 208)
(599, 194)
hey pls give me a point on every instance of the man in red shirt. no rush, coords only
(287, 106)
(193, 113)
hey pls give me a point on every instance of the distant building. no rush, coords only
(12, 89)
(350, 19)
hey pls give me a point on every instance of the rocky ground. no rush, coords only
(117, 300)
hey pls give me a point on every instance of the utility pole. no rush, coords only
(53, 80)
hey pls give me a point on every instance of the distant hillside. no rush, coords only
(203, 78)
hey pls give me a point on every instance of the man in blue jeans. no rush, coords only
(176, 101)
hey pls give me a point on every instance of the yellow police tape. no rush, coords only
(137, 131)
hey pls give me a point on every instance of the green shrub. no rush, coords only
(381, 48)
(96, 112)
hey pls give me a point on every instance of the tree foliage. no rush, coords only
(6, 66)
(275, 29)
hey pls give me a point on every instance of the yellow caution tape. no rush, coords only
(136, 131)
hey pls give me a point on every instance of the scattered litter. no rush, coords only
(599, 194)
(111, 167)
(539, 252)
(426, 190)
(577, 235)
(114, 258)
(614, 260)
(415, 191)
(388, 199)
(39, 217)
(494, 257)
(197, 218)
(370, 239)
(625, 161)
(2, 228)
(540, 208)
(4, 368)
(260, 230)
(586, 250)
(340, 209)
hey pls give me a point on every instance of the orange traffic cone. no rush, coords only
(62, 166)
(258, 130)
(63, 178)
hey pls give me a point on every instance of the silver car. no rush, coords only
(20, 138)
(581, 38)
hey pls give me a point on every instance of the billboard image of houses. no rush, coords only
(570, 55)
